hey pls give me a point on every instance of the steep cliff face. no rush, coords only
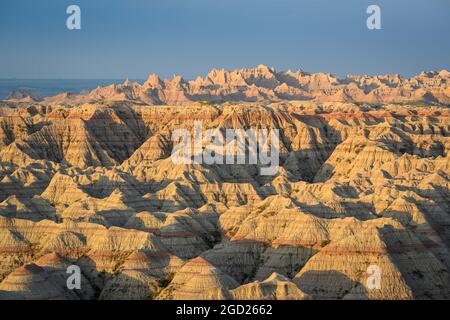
(359, 188)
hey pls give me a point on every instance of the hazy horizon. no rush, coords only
(219, 68)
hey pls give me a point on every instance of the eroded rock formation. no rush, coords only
(92, 184)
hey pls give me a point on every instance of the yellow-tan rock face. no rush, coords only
(359, 208)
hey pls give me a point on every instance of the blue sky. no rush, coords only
(133, 38)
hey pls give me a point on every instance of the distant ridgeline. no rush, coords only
(262, 84)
